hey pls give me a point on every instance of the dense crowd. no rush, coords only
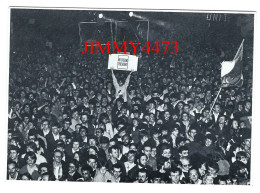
(72, 119)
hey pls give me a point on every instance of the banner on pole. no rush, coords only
(123, 62)
(231, 71)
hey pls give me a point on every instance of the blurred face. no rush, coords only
(167, 115)
(72, 168)
(92, 142)
(247, 142)
(13, 155)
(147, 151)
(175, 132)
(30, 161)
(167, 153)
(193, 175)
(115, 153)
(202, 169)
(55, 130)
(175, 177)
(185, 117)
(153, 152)
(235, 124)
(75, 115)
(75, 145)
(209, 180)
(212, 171)
(184, 153)
(142, 177)
(11, 170)
(185, 165)
(145, 138)
(117, 172)
(92, 163)
(208, 142)
(25, 178)
(126, 140)
(43, 170)
(103, 170)
(143, 161)
(167, 164)
(57, 157)
(193, 133)
(217, 108)
(131, 157)
(45, 125)
(132, 147)
(86, 174)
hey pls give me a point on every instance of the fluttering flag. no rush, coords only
(231, 71)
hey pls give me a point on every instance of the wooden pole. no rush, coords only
(215, 100)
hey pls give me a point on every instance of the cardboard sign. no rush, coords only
(123, 62)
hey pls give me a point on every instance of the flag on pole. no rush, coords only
(231, 71)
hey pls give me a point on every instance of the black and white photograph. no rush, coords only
(130, 96)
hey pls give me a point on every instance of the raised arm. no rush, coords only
(116, 85)
(128, 79)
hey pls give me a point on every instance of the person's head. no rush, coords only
(175, 130)
(217, 108)
(30, 158)
(242, 157)
(126, 140)
(103, 167)
(222, 180)
(183, 151)
(86, 171)
(73, 166)
(104, 141)
(117, 170)
(114, 152)
(142, 160)
(155, 133)
(208, 179)
(13, 152)
(57, 156)
(185, 116)
(142, 176)
(166, 151)
(84, 118)
(144, 136)
(31, 146)
(131, 156)
(55, 129)
(132, 147)
(75, 144)
(193, 175)
(175, 174)
(164, 163)
(12, 168)
(26, 176)
(43, 168)
(45, 124)
(75, 114)
(193, 132)
(209, 140)
(147, 149)
(213, 168)
(185, 164)
(47, 176)
(92, 140)
(92, 161)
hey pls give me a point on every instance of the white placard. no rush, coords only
(123, 62)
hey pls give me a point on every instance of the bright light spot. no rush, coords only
(100, 15)
(131, 14)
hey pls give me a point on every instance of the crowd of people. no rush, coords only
(72, 119)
